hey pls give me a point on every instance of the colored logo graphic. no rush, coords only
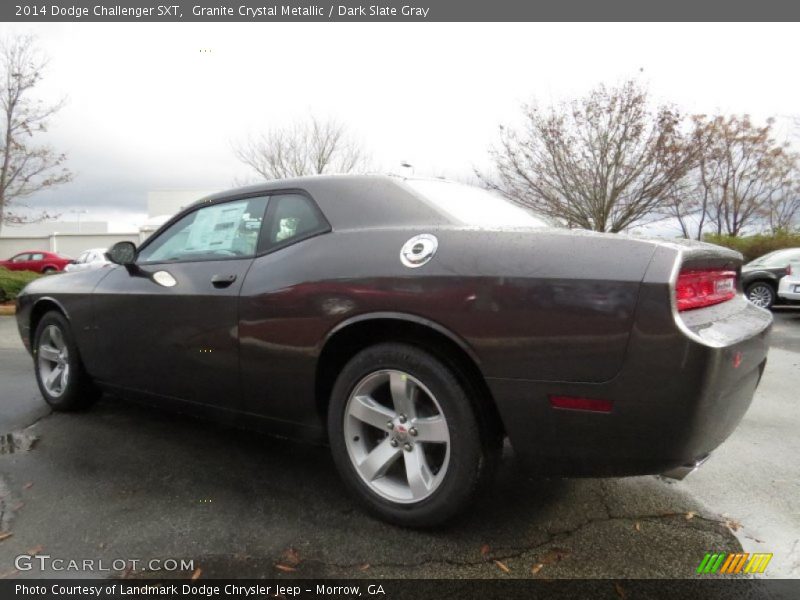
(727, 563)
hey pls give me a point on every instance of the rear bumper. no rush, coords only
(685, 386)
(789, 289)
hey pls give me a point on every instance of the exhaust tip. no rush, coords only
(679, 473)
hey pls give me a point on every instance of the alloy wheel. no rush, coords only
(760, 295)
(53, 357)
(397, 436)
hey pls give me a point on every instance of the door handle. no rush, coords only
(222, 281)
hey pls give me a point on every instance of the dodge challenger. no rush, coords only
(413, 325)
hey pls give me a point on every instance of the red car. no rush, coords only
(35, 260)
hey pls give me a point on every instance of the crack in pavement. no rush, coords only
(512, 552)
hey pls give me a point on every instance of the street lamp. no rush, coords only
(79, 213)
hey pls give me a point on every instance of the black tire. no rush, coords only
(48, 270)
(79, 392)
(761, 293)
(473, 451)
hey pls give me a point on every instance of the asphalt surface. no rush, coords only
(128, 482)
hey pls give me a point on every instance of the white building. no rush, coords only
(70, 238)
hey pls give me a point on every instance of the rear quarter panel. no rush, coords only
(545, 305)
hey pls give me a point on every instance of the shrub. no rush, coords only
(753, 246)
(12, 282)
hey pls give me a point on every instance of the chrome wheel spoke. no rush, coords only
(403, 393)
(57, 338)
(55, 375)
(418, 473)
(432, 429)
(365, 409)
(379, 460)
(49, 353)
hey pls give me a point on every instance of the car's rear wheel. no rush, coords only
(761, 294)
(405, 436)
(61, 377)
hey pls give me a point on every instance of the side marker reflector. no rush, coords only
(575, 403)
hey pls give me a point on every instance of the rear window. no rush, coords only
(470, 205)
(779, 258)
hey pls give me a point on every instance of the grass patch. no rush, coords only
(753, 246)
(12, 282)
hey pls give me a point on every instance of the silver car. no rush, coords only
(88, 259)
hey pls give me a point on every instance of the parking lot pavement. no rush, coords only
(123, 481)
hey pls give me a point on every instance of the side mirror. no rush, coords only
(122, 253)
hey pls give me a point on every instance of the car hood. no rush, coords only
(74, 282)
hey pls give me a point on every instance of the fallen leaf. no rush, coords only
(285, 568)
(637, 526)
(5, 535)
(364, 567)
(291, 557)
(197, 572)
(27, 486)
(35, 550)
(502, 567)
(690, 515)
(536, 568)
(733, 525)
(554, 555)
(620, 591)
(485, 550)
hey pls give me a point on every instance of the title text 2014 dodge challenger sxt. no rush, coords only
(413, 324)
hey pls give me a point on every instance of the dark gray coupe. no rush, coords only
(413, 325)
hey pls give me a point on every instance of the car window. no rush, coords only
(223, 230)
(779, 258)
(20, 258)
(82, 257)
(37, 256)
(472, 205)
(292, 217)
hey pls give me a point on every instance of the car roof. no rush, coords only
(351, 201)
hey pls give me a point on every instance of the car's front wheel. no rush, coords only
(761, 294)
(405, 436)
(61, 377)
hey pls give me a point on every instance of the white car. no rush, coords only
(789, 287)
(88, 259)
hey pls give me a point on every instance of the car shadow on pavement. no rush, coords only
(127, 481)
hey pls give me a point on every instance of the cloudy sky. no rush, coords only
(157, 106)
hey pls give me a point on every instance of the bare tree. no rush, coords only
(688, 200)
(783, 205)
(25, 168)
(309, 147)
(602, 162)
(744, 173)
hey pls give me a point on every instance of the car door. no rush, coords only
(20, 262)
(168, 325)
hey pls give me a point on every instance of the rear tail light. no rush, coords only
(699, 288)
(788, 269)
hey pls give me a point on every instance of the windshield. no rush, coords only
(779, 258)
(470, 205)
